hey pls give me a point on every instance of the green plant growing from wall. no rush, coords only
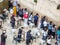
(3, 5)
(35, 1)
(58, 7)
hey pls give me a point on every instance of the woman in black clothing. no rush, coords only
(12, 21)
(20, 34)
(28, 37)
(3, 38)
(10, 4)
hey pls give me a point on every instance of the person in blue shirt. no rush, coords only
(58, 31)
(50, 25)
(42, 20)
(58, 36)
(36, 19)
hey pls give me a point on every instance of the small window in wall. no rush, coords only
(35, 1)
(58, 7)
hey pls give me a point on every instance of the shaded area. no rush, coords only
(3, 5)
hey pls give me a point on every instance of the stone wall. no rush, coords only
(44, 7)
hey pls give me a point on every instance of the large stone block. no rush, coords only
(44, 7)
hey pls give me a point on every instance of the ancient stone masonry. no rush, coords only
(45, 7)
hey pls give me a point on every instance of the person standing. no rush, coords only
(15, 7)
(28, 37)
(30, 17)
(10, 4)
(19, 37)
(3, 38)
(25, 19)
(50, 25)
(25, 10)
(12, 21)
(49, 40)
(20, 13)
(53, 31)
(18, 8)
(58, 36)
(42, 20)
(36, 19)
(45, 34)
(45, 24)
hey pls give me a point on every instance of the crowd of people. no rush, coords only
(49, 29)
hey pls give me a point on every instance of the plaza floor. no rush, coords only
(9, 33)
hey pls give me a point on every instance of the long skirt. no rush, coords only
(27, 41)
(35, 22)
(25, 23)
(12, 25)
(14, 10)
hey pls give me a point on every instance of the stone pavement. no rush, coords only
(10, 34)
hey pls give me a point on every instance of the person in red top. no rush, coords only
(25, 15)
(25, 19)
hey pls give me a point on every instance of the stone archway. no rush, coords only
(3, 5)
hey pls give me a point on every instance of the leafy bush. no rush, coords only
(58, 7)
(35, 1)
(3, 5)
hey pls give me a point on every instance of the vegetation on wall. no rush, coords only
(35, 1)
(3, 5)
(58, 7)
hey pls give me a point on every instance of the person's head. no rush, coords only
(12, 16)
(59, 28)
(50, 22)
(4, 31)
(22, 8)
(54, 25)
(44, 17)
(18, 5)
(37, 14)
(45, 28)
(3, 11)
(31, 13)
(22, 27)
(29, 31)
(25, 9)
(3, 34)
